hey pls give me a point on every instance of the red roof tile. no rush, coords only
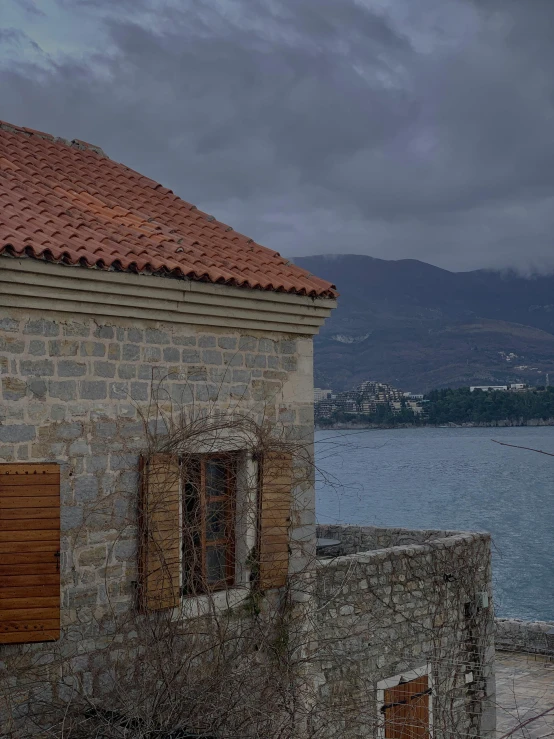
(67, 202)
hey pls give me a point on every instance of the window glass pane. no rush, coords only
(216, 477)
(216, 520)
(216, 559)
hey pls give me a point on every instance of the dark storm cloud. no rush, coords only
(322, 125)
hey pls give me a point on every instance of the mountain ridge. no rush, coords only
(420, 326)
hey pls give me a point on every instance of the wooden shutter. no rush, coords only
(160, 553)
(274, 520)
(29, 553)
(406, 709)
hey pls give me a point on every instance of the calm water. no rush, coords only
(457, 479)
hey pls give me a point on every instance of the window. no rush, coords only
(209, 504)
(406, 705)
(210, 522)
(29, 553)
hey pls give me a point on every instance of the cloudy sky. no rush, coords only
(394, 128)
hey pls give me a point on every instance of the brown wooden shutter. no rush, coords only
(160, 552)
(29, 553)
(274, 520)
(406, 709)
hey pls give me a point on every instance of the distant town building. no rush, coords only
(366, 399)
(487, 388)
(320, 394)
(514, 387)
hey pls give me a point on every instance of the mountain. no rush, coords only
(420, 327)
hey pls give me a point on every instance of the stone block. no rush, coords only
(86, 488)
(240, 392)
(68, 431)
(104, 369)
(38, 388)
(93, 557)
(212, 356)
(155, 336)
(241, 376)
(63, 389)
(289, 364)
(124, 550)
(256, 360)
(197, 374)
(127, 371)
(130, 352)
(248, 343)
(17, 433)
(114, 352)
(119, 390)
(171, 354)
(140, 390)
(3, 365)
(97, 463)
(206, 341)
(63, 348)
(42, 327)
(233, 359)
(9, 324)
(190, 356)
(93, 349)
(184, 340)
(266, 345)
(151, 354)
(123, 462)
(227, 342)
(12, 345)
(13, 388)
(181, 393)
(70, 368)
(136, 335)
(93, 389)
(37, 367)
(286, 347)
(71, 517)
(104, 332)
(273, 362)
(79, 448)
(105, 429)
(75, 328)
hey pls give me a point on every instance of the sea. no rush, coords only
(454, 478)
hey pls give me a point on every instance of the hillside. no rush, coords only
(420, 327)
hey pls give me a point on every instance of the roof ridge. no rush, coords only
(74, 143)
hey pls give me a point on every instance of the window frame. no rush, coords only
(404, 677)
(200, 585)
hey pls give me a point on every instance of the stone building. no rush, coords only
(156, 449)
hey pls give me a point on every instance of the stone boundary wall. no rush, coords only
(514, 635)
(356, 539)
(394, 601)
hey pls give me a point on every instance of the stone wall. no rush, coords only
(398, 607)
(80, 393)
(533, 637)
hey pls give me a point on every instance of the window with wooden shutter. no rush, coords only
(29, 553)
(274, 519)
(406, 709)
(160, 540)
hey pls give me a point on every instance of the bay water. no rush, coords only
(454, 478)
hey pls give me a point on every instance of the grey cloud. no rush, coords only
(324, 125)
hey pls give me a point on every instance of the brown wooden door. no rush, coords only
(29, 553)
(406, 709)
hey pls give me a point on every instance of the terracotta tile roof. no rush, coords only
(67, 202)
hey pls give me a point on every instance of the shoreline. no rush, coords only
(354, 426)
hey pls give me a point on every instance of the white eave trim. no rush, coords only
(33, 284)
